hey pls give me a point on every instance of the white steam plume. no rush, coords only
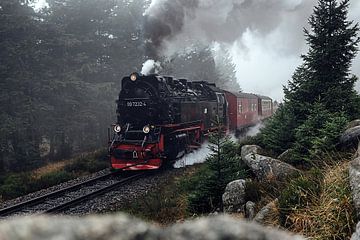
(197, 156)
(253, 131)
(150, 66)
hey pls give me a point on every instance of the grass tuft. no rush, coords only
(330, 214)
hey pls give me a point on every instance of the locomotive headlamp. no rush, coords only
(133, 77)
(117, 128)
(146, 129)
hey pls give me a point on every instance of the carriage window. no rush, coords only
(266, 105)
(240, 108)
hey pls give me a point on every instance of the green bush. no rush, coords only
(90, 164)
(318, 134)
(278, 133)
(222, 166)
(50, 179)
(15, 185)
(308, 140)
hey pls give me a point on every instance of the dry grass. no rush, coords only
(60, 165)
(329, 215)
(50, 168)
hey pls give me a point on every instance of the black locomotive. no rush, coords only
(159, 118)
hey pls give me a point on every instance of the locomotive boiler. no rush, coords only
(160, 118)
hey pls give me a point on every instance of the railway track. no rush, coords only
(66, 198)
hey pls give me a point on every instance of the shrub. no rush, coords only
(14, 185)
(278, 133)
(318, 134)
(50, 179)
(299, 194)
(89, 163)
(162, 205)
(222, 166)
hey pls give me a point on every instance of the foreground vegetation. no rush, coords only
(17, 184)
(320, 209)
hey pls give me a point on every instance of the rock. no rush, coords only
(350, 136)
(250, 210)
(224, 228)
(353, 124)
(356, 235)
(285, 156)
(247, 149)
(267, 168)
(354, 177)
(266, 211)
(357, 153)
(123, 227)
(234, 196)
(66, 228)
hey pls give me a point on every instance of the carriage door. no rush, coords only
(220, 107)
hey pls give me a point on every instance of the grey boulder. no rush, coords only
(353, 123)
(234, 196)
(356, 234)
(225, 228)
(250, 210)
(247, 149)
(354, 177)
(126, 228)
(266, 211)
(267, 168)
(350, 136)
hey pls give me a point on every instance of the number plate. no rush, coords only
(136, 104)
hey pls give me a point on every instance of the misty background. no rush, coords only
(62, 61)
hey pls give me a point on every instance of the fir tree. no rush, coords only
(321, 96)
(226, 70)
(325, 74)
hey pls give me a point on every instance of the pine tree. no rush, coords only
(226, 70)
(325, 74)
(322, 85)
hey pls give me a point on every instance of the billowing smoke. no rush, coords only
(173, 24)
(197, 156)
(150, 66)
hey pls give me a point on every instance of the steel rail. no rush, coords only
(95, 193)
(8, 210)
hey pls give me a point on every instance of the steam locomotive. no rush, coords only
(160, 118)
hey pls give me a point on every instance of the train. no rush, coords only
(161, 118)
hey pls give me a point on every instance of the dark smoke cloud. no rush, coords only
(171, 25)
(163, 21)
